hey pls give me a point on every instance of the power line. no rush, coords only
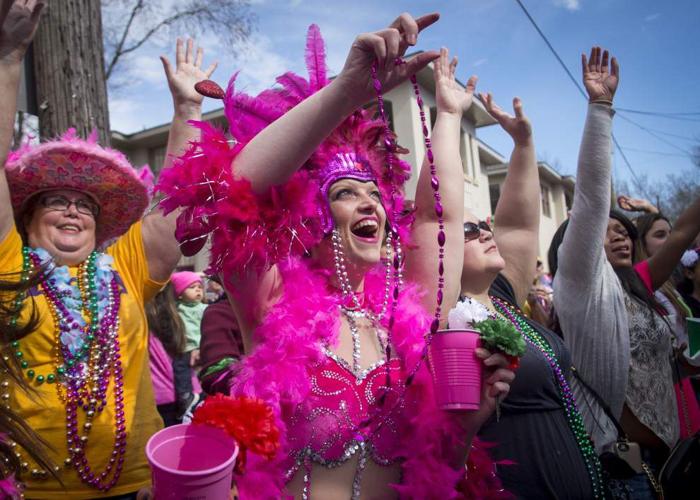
(658, 113)
(660, 153)
(650, 132)
(580, 89)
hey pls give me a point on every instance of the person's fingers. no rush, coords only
(420, 61)
(36, 11)
(496, 360)
(499, 389)
(200, 56)
(212, 67)
(482, 353)
(392, 38)
(407, 26)
(179, 52)
(584, 64)
(604, 63)
(501, 375)
(426, 20)
(591, 60)
(453, 66)
(614, 68)
(598, 53)
(471, 84)
(166, 66)
(188, 54)
(518, 107)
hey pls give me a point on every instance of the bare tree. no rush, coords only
(671, 194)
(129, 24)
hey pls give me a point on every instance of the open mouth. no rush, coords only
(622, 250)
(366, 229)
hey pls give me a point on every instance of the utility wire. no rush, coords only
(658, 113)
(648, 131)
(580, 89)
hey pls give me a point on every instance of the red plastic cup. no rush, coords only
(456, 370)
(191, 462)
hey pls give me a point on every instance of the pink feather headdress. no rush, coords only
(218, 204)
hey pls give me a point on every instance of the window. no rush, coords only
(156, 158)
(546, 207)
(494, 194)
(464, 154)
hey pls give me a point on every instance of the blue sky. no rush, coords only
(657, 44)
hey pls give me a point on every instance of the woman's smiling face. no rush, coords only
(360, 219)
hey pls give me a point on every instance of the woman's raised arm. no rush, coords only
(422, 259)
(273, 156)
(18, 23)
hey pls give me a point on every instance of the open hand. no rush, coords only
(384, 47)
(186, 74)
(599, 80)
(518, 126)
(635, 205)
(449, 95)
(18, 22)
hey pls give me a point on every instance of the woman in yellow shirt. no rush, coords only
(75, 209)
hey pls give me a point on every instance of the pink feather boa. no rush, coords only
(291, 337)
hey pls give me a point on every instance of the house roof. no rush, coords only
(153, 136)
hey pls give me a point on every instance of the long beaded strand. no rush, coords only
(573, 415)
(84, 376)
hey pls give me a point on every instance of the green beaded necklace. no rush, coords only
(573, 415)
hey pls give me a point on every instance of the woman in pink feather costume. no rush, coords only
(298, 227)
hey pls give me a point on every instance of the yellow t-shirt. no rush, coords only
(44, 411)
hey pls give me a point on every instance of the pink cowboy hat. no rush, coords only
(83, 165)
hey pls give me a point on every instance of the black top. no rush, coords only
(533, 430)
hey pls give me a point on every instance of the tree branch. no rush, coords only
(118, 50)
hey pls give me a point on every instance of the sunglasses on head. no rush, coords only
(473, 230)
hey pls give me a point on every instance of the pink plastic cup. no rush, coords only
(456, 369)
(191, 462)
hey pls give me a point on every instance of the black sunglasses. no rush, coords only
(473, 230)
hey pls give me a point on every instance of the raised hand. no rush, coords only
(384, 47)
(636, 205)
(518, 126)
(449, 95)
(186, 74)
(599, 80)
(18, 22)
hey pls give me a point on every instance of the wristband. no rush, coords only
(601, 101)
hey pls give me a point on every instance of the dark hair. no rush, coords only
(11, 423)
(629, 279)
(552, 253)
(164, 321)
(644, 224)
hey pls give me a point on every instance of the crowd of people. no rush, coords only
(325, 288)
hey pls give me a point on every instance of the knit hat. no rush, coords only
(182, 280)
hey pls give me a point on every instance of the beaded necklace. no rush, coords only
(573, 416)
(86, 354)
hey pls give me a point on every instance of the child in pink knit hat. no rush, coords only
(189, 291)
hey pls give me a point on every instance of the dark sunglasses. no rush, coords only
(61, 204)
(473, 230)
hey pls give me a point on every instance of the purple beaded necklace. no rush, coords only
(83, 375)
(390, 146)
